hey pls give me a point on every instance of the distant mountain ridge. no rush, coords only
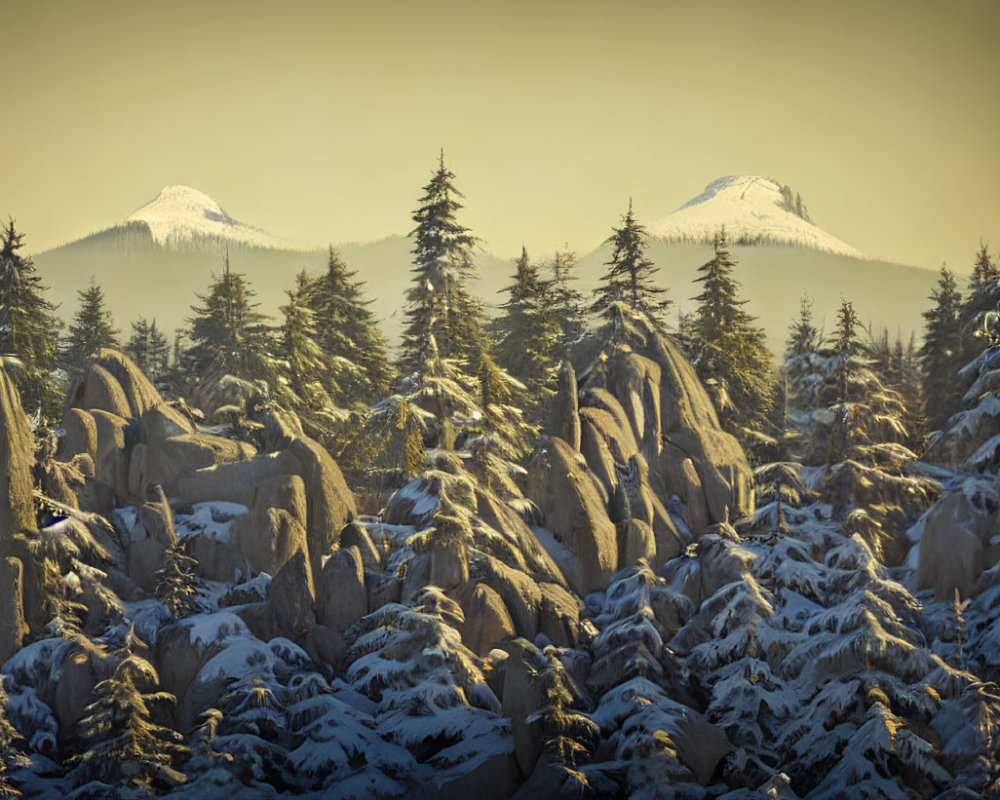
(180, 214)
(753, 210)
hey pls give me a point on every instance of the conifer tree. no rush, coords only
(983, 297)
(940, 351)
(565, 303)
(728, 350)
(348, 335)
(437, 300)
(148, 348)
(177, 583)
(92, 328)
(306, 368)
(803, 336)
(28, 326)
(629, 277)
(528, 333)
(10, 756)
(123, 745)
(228, 334)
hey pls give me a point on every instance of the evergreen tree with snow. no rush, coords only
(228, 334)
(565, 303)
(125, 748)
(729, 353)
(92, 328)
(528, 332)
(437, 301)
(148, 348)
(803, 335)
(348, 335)
(940, 351)
(982, 299)
(10, 755)
(629, 278)
(306, 368)
(177, 584)
(28, 325)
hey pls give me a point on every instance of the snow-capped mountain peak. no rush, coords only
(754, 210)
(180, 214)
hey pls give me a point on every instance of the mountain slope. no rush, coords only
(180, 214)
(754, 210)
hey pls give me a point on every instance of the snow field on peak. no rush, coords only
(180, 214)
(750, 209)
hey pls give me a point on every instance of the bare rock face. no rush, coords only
(291, 597)
(487, 620)
(559, 616)
(330, 503)
(274, 529)
(153, 534)
(572, 504)
(675, 427)
(341, 595)
(80, 434)
(356, 535)
(13, 627)
(17, 510)
(237, 481)
(99, 391)
(635, 542)
(564, 420)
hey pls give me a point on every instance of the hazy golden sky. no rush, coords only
(322, 120)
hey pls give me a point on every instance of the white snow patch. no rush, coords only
(181, 214)
(749, 207)
(213, 518)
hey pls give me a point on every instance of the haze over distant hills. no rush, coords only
(160, 256)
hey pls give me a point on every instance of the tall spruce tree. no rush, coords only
(10, 755)
(348, 335)
(984, 296)
(28, 326)
(629, 277)
(803, 335)
(729, 352)
(306, 368)
(92, 328)
(125, 748)
(437, 300)
(528, 332)
(148, 348)
(228, 334)
(940, 352)
(565, 303)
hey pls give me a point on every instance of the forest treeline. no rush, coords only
(326, 357)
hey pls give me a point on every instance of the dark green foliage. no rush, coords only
(629, 279)
(358, 368)
(177, 585)
(898, 369)
(437, 300)
(729, 353)
(28, 326)
(306, 368)
(846, 342)
(565, 304)
(10, 756)
(390, 438)
(803, 336)
(983, 297)
(940, 352)
(123, 745)
(148, 348)
(228, 334)
(529, 332)
(92, 328)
